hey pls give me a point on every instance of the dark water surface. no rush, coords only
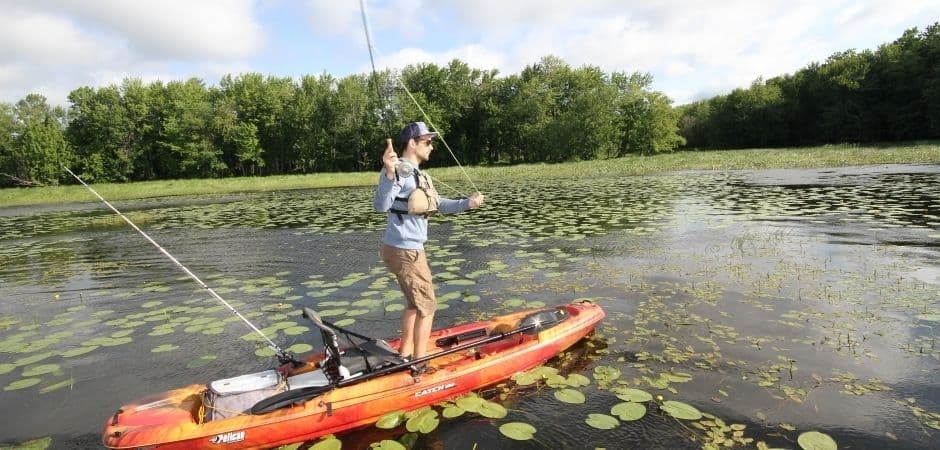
(795, 300)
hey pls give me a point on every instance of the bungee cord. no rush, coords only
(282, 355)
(401, 82)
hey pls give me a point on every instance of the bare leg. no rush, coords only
(407, 347)
(422, 333)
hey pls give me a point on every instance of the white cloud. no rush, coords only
(475, 56)
(849, 14)
(42, 38)
(53, 46)
(692, 47)
(343, 19)
(170, 28)
(330, 17)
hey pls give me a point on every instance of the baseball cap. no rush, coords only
(414, 130)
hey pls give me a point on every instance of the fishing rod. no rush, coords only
(375, 76)
(282, 356)
(401, 82)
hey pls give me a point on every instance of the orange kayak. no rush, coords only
(347, 386)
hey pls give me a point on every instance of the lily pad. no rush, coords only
(602, 421)
(333, 303)
(493, 410)
(526, 378)
(56, 386)
(452, 411)
(78, 351)
(33, 444)
(265, 352)
(387, 444)
(330, 443)
(678, 377)
(40, 370)
(632, 395)
(391, 420)
(424, 422)
(544, 371)
(570, 396)
(628, 411)
(470, 403)
(22, 384)
(164, 348)
(332, 312)
(681, 410)
(514, 302)
(32, 359)
(578, 380)
(300, 348)
(557, 381)
(814, 440)
(295, 330)
(606, 374)
(519, 431)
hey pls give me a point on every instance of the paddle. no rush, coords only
(529, 325)
(458, 338)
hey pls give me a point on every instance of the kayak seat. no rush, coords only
(359, 357)
(369, 356)
(314, 378)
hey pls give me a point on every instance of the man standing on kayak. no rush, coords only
(408, 196)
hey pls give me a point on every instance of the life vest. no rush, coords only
(422, 201)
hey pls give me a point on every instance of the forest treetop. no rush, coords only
(252, 124)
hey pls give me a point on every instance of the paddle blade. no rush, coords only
(288, 398)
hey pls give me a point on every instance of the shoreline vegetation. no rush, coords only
(800, 158)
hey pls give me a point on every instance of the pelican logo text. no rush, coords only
(228, 438)
(434, 389)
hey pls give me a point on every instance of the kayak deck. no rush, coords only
(178, 418)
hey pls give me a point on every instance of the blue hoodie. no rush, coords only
(411, 231)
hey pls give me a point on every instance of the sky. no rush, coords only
(694, 49)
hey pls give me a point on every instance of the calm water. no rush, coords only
(788, 300)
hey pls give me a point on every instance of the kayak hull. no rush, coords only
(171, 419)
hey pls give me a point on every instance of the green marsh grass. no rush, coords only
(823, 156)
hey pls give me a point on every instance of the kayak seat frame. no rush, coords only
(363, 355)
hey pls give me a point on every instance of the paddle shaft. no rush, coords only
(290, 397)
(426, 358)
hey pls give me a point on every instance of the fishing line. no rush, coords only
(282, 355)
(401, 82)
(436, 181)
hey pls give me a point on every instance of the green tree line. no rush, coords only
(252, 124)
(889, 94)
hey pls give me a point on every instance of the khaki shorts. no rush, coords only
(414, 277)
